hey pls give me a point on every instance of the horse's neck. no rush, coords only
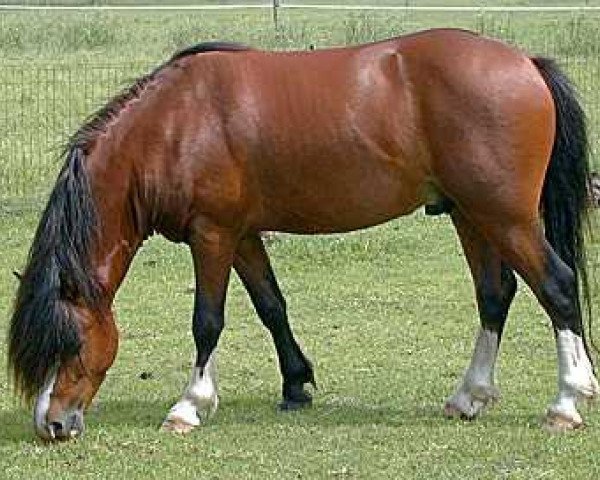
(112, 261)
(122, 227)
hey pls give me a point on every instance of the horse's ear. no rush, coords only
(18, 275)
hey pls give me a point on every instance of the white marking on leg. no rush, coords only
(200, 395)
(477, 388)
(575, 380)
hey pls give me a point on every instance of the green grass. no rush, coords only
(387, 316)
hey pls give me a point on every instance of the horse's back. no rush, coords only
(344, 138)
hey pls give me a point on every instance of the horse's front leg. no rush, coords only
(254, 269)
(213, 251)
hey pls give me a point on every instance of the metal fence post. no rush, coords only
(276, 4)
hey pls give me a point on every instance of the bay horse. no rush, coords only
(223, 142)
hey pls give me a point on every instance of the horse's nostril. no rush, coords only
(56, 429)
(57, 426)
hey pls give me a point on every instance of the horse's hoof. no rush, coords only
(467, 403)
(176, 425)
(452, 411)
(555, 422)
(292, 405)
(295, 397)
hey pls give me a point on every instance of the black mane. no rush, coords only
(43, 330)
(208, 47)
(98, 121)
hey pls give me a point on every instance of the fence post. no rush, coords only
(276, 4)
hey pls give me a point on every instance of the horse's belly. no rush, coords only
(327, 202)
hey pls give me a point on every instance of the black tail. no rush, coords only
(565, 197)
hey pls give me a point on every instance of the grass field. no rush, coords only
(388, 318)
(387, 315)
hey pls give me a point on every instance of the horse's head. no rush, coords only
(62, 336)
(72, 382)
(60, 351)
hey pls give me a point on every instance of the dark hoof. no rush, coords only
(292, 405)
(295, 398)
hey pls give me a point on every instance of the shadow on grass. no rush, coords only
(260, 411)
(17, 426)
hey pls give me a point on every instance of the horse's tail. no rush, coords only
(565, 196)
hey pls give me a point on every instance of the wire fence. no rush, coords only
(42, 106)
(43, 102)
(486, 4)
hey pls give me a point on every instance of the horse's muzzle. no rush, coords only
(67, 427)
(54, 426)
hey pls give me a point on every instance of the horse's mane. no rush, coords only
(43, 330)
(98, 121)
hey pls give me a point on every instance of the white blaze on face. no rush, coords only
(200, 394)
(42, 404)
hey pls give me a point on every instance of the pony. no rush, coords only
(223, 142)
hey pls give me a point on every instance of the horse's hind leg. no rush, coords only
(576, 378)
(523, 246)
(254, 269)
(495, 287)
(213, 250)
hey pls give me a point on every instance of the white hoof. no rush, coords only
(182, 418)
(198, 403)
(187, 414)
(562, 415)
(469, 402)
(576, 382)
(476, 390)
(176, 425)
(557, 421)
